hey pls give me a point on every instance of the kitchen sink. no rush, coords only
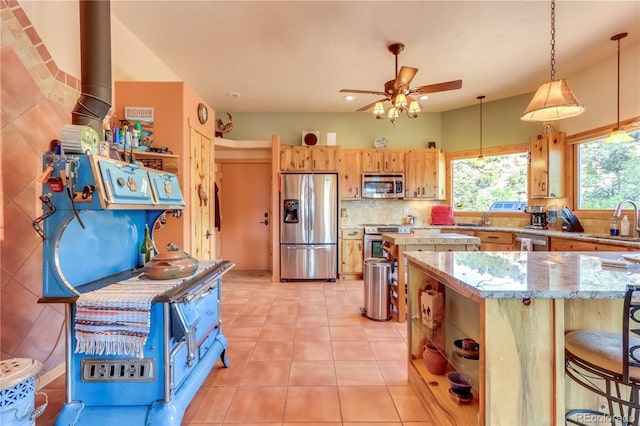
(468, 224)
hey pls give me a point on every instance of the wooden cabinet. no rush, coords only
(350, 170)
(309, 158)
(383, 160)
(177, 128)
(294, 158)
(563, 244)
(324, 158)
(547, 165)
(495, 241)
(351, 253)
(425, 174)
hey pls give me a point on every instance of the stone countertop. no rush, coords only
(531, 275)
(579, 236)
(430, 239)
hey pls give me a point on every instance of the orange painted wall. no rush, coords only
(175, 113)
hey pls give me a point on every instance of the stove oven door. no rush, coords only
(195, 321)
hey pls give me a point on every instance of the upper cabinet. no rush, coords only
(350, 173)
(383, 160)
(425, 174)
(547, 165)
(308, 158)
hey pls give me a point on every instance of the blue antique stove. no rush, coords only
(95, 212)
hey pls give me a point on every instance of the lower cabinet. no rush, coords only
(351, 253)
(490, 240)
(563, 244)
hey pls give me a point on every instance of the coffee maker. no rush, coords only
(538, 217)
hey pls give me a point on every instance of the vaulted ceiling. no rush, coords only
(297, 55)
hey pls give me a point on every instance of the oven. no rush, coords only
(137, 349)
(373, 238)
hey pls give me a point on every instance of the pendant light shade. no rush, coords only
(553, 100)
(618, 135)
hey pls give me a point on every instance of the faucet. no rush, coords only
(616, 214)
(485, 221)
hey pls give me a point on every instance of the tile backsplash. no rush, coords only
(357, 212)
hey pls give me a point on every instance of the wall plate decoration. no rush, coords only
(381, 142)
(310, 138)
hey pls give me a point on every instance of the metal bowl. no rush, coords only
(171, 264)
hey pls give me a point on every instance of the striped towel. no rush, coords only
(115, 320)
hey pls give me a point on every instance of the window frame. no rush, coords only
(573, 141)
(487, 152)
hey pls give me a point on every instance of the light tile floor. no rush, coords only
(299, 353)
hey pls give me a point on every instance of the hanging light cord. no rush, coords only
(618, 116)
(553, 40)
(481, 97)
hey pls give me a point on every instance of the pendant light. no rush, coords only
(553, 100)
(618, 135)
(480, 161)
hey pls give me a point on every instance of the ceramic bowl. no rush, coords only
(461, 383)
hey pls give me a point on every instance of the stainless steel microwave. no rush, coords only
(382, 185)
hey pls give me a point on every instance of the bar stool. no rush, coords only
(608, 364)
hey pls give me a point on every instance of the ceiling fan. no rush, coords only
(400, 85)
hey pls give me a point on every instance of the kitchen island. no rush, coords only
(396, 244)
(517, 306)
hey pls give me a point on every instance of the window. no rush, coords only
(608, 173)
(501, 184)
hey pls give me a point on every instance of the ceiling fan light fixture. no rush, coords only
(553, 100)
(378, 110)
(414, 109)
(400, 101)
(399, 93)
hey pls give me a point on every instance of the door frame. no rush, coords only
(274, 197)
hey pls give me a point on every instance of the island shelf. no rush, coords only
(517, 306)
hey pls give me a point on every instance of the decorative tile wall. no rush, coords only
(37, 99)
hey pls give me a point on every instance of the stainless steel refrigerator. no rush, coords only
(308, 227)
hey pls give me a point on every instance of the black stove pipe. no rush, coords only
(94, 102)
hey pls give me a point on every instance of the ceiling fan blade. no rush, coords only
(370, 92)
(372, 104)
(404, 77)
(438, 87)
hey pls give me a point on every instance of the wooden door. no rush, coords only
(201, 197)
(244, 195)
(393, 161)
(350, 173)
(324, 159)
(372, 160)
(539, 167)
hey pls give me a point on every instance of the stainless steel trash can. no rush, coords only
(377, 279)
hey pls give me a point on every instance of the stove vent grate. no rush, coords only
(120, 370)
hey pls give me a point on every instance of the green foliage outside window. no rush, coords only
(502, 178)
(608, 173)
